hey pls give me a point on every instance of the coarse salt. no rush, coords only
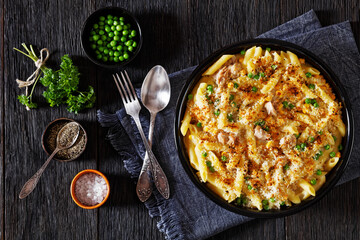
(91, 189)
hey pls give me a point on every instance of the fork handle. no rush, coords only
(159, 176)
(143, 186)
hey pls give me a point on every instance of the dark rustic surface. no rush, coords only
(177, 34)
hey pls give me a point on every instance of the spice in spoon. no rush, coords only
(66, 154)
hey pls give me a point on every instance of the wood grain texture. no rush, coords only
(177, 34)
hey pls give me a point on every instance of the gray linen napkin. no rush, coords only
(189, 214)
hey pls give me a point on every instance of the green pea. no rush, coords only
(316, 105)
(311, 139)
(103, 37)
(121, 58)
(249, 187)
(109, 16)
(254, 89)
(340, 147)
(242, 52)
(313, 181)
(118, 28)
(96, 37)
(308, 75)
(101, 32)
(123, 39)
(128, 43)
(199, 124)
(133, 33)
(190, 96)
(327, 146)
(268, 49)
(204, 154)
(104, 58)
(96, 26)
(271, 199)
(250, 75)
(100, 42)
(116, 33)
(318, 172)
(111, 53)
(106, 51)
(135, 44)
(116, 59)
(217, 112)
(93, 46)
(308, 101)
(125, 32)
(116, 54)
(130, 48)
(99, 56)
(274, 67)
(111, 34)
(101, 24)
(223, 158)
(113, 43)
(121, 19)
(121, 23)
(91, 39)
(119, 48)
(125, 27)
(231, 97)
(111, 59)
(107, 28)
(116, 23)
(256, 77)
(113, 28)
(312, 86)
(126, 56)
(108, 45)
(92, 33)
(116, 38)
(101, 49)
(115, 18)
(332, 154)
(262, 74)
(114, 48)
(97, 52)
(110, 21)
(102, 18)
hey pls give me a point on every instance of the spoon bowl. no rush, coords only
(155, 91)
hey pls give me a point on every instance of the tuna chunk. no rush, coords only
(226, 138)
(270, 108)
(261, 134)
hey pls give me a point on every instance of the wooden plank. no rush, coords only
(125, 216)
(49, 211)
(2, 149)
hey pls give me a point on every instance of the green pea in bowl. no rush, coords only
(111, 37)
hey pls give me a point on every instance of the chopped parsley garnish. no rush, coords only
(230, 117)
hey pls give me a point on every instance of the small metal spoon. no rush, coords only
(30, 185)
(155, 96)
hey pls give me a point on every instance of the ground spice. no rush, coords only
(66, 154)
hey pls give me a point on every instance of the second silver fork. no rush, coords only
(132, 107)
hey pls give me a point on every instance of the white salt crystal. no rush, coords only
(90, 189)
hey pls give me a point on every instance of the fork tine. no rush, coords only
(121, 94)
(132, 96)
(132, 88)
(128, 99)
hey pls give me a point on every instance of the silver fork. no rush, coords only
(132, 107)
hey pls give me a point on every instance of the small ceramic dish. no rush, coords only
(93, 18)
(48, 140)
(73, 193)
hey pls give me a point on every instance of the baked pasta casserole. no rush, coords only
(262, 128)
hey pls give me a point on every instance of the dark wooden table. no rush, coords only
(177, 34)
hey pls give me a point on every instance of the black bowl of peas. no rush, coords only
(111, 37)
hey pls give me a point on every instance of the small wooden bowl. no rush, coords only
(46, 132)
(73, 194)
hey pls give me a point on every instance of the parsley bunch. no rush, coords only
(62, 86)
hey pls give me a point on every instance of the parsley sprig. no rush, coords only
(62, 86)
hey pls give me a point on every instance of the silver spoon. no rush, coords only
(155, 96)
(65, 139)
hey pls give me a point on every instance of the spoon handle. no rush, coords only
(159, 176)
(30, 185)
(143, 186)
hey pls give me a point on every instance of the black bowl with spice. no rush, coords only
(49, 141)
